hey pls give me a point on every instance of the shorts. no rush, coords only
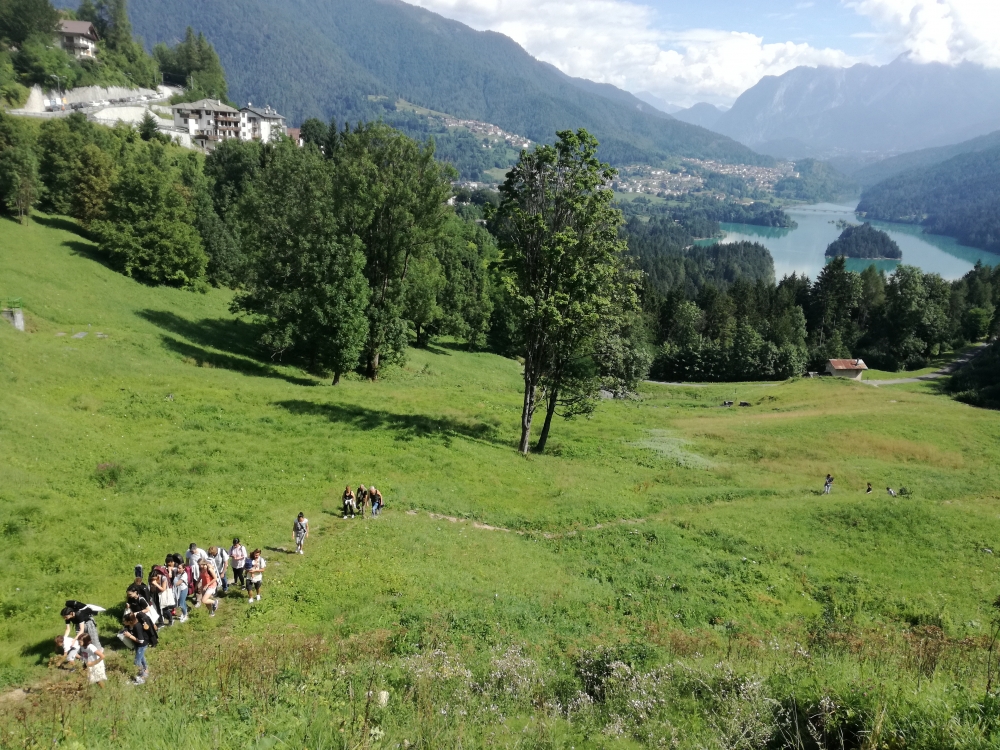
(210, 591)
(299, 538)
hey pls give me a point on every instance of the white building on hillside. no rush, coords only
(260, 123)
(79, 38)
(208, 121)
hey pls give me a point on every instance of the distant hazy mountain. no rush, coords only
(661, 104)
(351, 59)
(704, 114)
(959, 197)
(892, 166)
(865, 109)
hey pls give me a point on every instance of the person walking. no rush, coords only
(94, 657)
(163, 594)
(349, 501)
(238, 557)
(828, 485)
(255, 574)
(136, 631)
(220, 557)
(179, 580)
(300, 530)
(376, 501)
(209, 584)
(194, 557)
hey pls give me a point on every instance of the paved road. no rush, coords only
(948, 370)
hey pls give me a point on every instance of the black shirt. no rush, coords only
(81, 616)
(141, 588)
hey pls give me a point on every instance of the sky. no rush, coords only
(687, 51)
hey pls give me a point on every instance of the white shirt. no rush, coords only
(258, 563)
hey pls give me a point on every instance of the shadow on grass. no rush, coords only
(61, 222)
(225, 334)
(404, 426)
(283, 550)
(201, 357)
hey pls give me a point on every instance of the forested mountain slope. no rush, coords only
(959, 197)
(335, 58)
(883, 170)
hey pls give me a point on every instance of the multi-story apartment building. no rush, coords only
(208, 121)
(260, 123)
(79, 38)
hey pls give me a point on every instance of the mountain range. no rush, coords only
(927, 157)
(865, 113)
(352, 59)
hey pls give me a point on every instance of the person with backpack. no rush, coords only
(255, 574)
(362, 498)
(238, 556)
(79, 619)
(220, 558)
(300, 530)
(194, 557)
(141, 632)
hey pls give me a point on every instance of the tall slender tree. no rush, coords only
(558, 232)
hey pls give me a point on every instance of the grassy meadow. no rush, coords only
(669, 574)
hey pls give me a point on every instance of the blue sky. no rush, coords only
(685, 51)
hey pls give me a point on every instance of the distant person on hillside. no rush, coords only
(256, 574)
(300, 530)
(891, 491)
(220, 557)
(209, 584)
(869, 490)
(828, 485)
(238, 556)
(376, 498)
(93, 654)
(349, 501)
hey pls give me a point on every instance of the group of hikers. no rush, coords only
(161, 599)
(828, 486)
(355, 502)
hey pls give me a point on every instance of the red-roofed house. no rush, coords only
(846, 368)
(79, 38)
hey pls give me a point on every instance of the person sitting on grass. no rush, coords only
(376, 498)
(94, 656)
(68, 650)
(869, 490)
(891, 491)
(255, 574)
(350, 504)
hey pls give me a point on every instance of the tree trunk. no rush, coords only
(373, 366)
(336, 377)
(527, 412)
(550, 409)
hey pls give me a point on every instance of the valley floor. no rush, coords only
(669, 573)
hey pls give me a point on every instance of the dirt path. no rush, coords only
(957, 364)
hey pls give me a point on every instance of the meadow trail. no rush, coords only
(957, 364)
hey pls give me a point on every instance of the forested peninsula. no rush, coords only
(864, 241)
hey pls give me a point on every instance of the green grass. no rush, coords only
(669, 571)
(936, 363)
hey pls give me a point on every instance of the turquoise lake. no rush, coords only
(801, 250)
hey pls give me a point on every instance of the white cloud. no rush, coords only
(948, 31)
(618, 42)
